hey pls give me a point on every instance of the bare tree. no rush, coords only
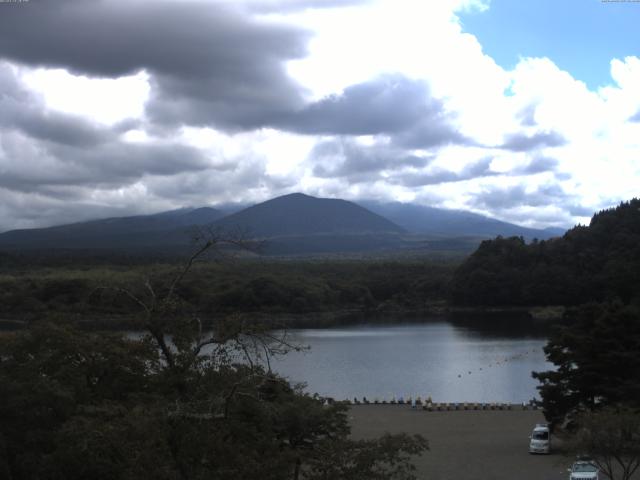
(611, 438)
(180, 335)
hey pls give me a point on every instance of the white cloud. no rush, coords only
(105, 100)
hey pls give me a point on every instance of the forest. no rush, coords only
(588, 264)
(218, 287)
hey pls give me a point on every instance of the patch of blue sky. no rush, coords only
(579, 36)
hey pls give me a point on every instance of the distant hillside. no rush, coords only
(452, 223)
(594, 263)
(292, 224)
(293, 219)
(166, 228)
(299, 214)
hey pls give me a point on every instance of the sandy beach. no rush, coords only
(466, 445)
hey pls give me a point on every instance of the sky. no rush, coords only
(525, 111)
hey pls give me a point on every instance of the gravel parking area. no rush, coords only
(483, 444)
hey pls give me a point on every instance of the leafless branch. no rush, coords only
(151, 291)
(267, 358)
(176, 281)
(128, 294)
(200, 345)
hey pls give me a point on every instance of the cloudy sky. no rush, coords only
(528, 110)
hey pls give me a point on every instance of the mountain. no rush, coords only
(300, 215)
(452, 223)
(290, 224)
(165, 228)
(288, 221)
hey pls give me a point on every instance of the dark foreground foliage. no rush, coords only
(179, 402)
(594, 263)
(77, 405)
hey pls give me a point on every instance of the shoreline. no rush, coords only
(418, 405)
(535, 316)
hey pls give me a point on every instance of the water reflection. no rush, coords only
(440, 359)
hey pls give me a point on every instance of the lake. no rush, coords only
(448, 361)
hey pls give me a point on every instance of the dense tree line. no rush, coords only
(589, 263)
(219, 288)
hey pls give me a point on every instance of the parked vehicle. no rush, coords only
(540, 439)
(583, 470)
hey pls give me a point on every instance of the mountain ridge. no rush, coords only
(295, 223)
(445, 222)
(300, 214)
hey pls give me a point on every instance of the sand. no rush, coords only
(486, 444)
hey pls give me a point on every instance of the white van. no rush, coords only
(583, 470)
(540, 439)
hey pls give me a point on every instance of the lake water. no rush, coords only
(447, 361)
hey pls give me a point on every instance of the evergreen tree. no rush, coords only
(600, 262)
(597, 359)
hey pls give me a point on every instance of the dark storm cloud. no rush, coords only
(17, 210)
(246, 178)
(387, 104)
(57, 127)
(435, 176)
(519, 142)
(498, 199)
(345, 158)
(29, 166)
(433, 131)
(121, 162)
(209, 64)
(391, 105)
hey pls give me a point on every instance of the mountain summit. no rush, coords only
(299, 214)
(287, 216)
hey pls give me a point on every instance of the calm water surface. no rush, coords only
(448, 362)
